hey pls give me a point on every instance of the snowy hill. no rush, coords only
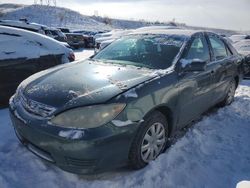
(63, 17)
(54, 16)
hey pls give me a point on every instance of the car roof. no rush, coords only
(243, 43)
(11, 31)
(156, 27)
(15, 23)
(185, 32)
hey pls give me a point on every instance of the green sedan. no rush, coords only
(121, 106)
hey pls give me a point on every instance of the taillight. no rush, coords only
(71, 56)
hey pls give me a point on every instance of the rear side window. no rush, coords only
(198, 49)
(218, 47)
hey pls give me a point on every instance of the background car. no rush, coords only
(237, 38)
(103, 40)
(78, 39)
(122, 105)
(34, 27)
(23, 53)
(75, 40)
(24, 24)
(88, 36)
(56, 34)
(243, 47)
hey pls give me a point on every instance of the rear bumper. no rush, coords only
(97, 151)
(76, 44)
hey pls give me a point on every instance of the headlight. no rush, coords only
(88, 117)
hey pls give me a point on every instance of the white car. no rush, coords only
(237, 38)
(108, 38)
(243, 47)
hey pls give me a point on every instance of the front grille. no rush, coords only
(36, 108)
(80, 162)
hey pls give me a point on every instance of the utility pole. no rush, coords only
(47, 2)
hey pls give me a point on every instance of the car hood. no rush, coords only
(82, 83)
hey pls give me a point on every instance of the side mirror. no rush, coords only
(193, 65)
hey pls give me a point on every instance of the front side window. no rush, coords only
(218, 47)
(198, 49)
(151, 51)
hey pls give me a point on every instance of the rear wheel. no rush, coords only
(150, 140)
(230, 95)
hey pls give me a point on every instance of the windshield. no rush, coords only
(151, 51)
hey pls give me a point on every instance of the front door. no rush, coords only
(195, 87)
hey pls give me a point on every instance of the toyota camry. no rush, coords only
(121, 106)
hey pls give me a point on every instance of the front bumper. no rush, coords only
(99, 150)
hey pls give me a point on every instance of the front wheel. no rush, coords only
(150, 140)
(230, 95)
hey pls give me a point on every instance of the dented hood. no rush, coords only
(82, 83)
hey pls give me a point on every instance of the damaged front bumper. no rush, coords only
(97, 150)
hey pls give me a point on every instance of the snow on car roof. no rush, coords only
(243, 46)
(156, 28)
(245, 42)
(237, 38)
(167, 31)
(16, 43)
(23, 24)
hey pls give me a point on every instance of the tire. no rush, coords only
(138, 152)
(230, 94)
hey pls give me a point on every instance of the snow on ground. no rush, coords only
(243, 184)
(214, 152)
(81, 53)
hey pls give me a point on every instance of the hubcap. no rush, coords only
(153, 142)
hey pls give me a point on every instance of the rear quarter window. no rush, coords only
(218, 47)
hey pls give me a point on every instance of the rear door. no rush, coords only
(195, 87)
(222, 65)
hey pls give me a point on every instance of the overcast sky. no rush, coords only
(228, 14)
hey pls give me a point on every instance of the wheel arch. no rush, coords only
(167, 112)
